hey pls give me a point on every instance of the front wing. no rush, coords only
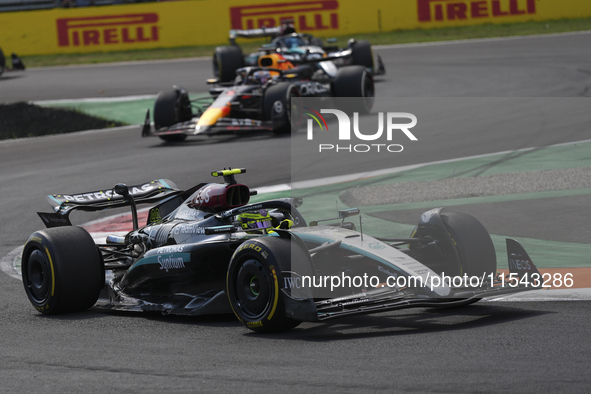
(222, 126)
(394, 296)
(388, 299)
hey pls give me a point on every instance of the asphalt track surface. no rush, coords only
(486, 347)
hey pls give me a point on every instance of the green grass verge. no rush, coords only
(132, 112)
(21, 120)
(125, 112)
(393, 37)
(322, 201)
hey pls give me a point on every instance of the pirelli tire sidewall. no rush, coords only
(257, 263)
(62, 270)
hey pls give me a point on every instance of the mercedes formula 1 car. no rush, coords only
(207, 250)
(293, 46)
(260, 98)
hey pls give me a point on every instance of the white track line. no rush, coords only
(370, 174)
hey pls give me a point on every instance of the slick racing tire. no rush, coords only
(226, 60)
(278, 102)
(171, 107)
(473, 244)
(62, 270)
(255, 281)
(361, 54)
(354, 81)
(2, 62)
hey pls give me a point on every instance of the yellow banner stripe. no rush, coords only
(190, 23)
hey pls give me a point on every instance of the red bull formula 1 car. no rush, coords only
(209, 250)
(260, 98)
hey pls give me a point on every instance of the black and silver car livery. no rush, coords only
(209, 250)
(292, 45)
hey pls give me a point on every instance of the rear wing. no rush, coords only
(270, 32)
(64, 204)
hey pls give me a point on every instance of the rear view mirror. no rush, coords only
(345, 213)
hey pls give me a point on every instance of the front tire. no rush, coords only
(255, 281)
(171, 107)
(62, 270)
(473, 244)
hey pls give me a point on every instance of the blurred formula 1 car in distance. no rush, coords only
(259, 98)
(16, 64)
(293, 46)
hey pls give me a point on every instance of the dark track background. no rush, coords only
(518, 346)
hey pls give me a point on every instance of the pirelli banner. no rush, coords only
(207, 22)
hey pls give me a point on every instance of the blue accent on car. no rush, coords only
(164, 183)
(55, 199)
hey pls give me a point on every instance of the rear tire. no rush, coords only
(354, 81)
(171, 107)
(473, 243)
(362, 54)
(226, 60)
(277, 105)
(62, 270)
(255, 281)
